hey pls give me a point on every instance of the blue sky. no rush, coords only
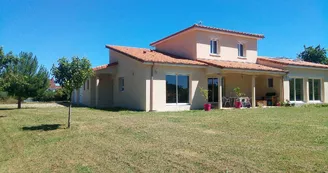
(55, 28)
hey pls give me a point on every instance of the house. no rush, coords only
(168, 77)
(52, 85)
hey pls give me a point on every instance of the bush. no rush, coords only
(49, 95)
(6, 99)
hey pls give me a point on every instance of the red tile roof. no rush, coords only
(52, 84)
(212, 29)
(153, 56)
(285, 61)
(104, 66)
(241, 65)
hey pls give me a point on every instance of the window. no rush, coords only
(296, 89)
(214, 47)
(177, 89)
(270, 82)
(84, 86)
(314, 89)
(241, 50)
(87, 84)
(121, 84)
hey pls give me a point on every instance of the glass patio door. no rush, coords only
(296, 89)
(213, 87)
(314, 89)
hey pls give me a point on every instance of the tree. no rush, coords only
(71, 76)
(5, 60)
(314, 54)
(24, 78)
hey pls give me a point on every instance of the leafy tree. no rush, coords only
(5, 60)
(314, 54)
(25, 78)
(71, 76)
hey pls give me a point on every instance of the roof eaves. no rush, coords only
(208, 28)
(133, 57)
(291, 65)
(172, 35)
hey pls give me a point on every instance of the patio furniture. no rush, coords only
(271, 99)
(225, 101)
(245, 101)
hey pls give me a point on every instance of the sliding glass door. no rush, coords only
(213, 89)
(314, 89)
(296, 89)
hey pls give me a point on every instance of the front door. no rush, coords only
(213, 88)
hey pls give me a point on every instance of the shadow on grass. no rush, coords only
(3, 116)
(42, 127)
(6, 109)
(116, 109)
(66, 104)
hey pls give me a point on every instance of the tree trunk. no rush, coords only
(69, 114)
(19, 103)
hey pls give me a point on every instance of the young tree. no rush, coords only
(25, 78)
(314, 54)
(71, 76)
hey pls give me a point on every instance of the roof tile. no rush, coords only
(209, 28)
(104, 66)
(147, 55)
(241, 65)
(285, 61)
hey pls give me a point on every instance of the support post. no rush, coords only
(253, 92)
(97, 91)
(220, 92)
(306, 90)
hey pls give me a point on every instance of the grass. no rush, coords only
(252, 140)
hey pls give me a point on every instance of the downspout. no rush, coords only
(151, 87)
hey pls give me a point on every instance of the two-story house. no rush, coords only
(169, 76)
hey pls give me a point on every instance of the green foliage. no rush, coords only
(314, 54)
(72, 75)
(49, 95)
(24, 78)
(5, 61)
(238, 92)
(204, 93)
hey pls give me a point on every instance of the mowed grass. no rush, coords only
(249, 140)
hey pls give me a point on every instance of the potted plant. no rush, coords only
(239, 94)
(204, 92)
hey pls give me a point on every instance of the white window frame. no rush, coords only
(297, 101)
(176, 89)
(244, 51)
(217, 47)
(272, 83)
(315, 101)
(121, 84)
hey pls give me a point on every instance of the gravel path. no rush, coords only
(32, 105)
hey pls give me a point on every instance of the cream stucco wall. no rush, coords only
(197, 78)
(244, 82)
(262, 87)
(135, 76)
(228, 50)
(305, 74)
(183, 45)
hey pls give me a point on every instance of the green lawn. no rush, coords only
(249, 140)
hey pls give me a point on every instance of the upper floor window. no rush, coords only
(241, 52)
(214, 47)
